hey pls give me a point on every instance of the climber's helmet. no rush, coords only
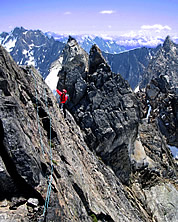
(64, 91)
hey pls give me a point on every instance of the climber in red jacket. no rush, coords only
(63, 98)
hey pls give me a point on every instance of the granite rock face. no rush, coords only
(83, 188)
(107, 111)
(115, 126)
(40, 149)
(164, 108)
(73, 72)
(160, 94)
(164, 63)
(110, 116)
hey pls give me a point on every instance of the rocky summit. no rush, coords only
(103, 162)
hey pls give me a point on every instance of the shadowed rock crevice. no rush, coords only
(100, 216)
(47, 125)
(23, 188)
(4, 87)
(104, 217)
(82, 197)
(63, 158)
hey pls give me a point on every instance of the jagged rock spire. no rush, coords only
(168, 44)
(74, 67)
(71, 42)
(96, 60)
(70, 39)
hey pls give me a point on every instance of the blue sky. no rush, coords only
(111, 17)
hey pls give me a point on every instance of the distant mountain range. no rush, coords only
(132, 63)
(28, 47)
(86, 42)
(107, 43)
(33, 47)
(165, 63)
(42, 50)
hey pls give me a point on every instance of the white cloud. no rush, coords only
(130, 34)
(67, 13)
(155, 27)
(107, 12)
(109, 26)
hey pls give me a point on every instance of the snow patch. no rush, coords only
(52, 79)
(174, 151)
(150, 55)
(130, 50)
(31, 60)
(10, 44)
(20, 63)
(31, 46)
(136, 89)
(1, 39)
(149, 110)
(25, 52)
(167, 78)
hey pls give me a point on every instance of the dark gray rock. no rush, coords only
(73, 73)
(161, 91)
(114, 126)
(42, 150)
(131, 64)
(96, 60)
(108, 113)
(162, 100)
(164, 63)
(81, 186)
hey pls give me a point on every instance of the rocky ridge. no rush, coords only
(33, 47)
(160, 94)
(114, 127)
(164, 63)
(83, 188)
(133, 162)
(42, 50)
(74, 62)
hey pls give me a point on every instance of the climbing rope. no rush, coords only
(50, 178)
(51, 158)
